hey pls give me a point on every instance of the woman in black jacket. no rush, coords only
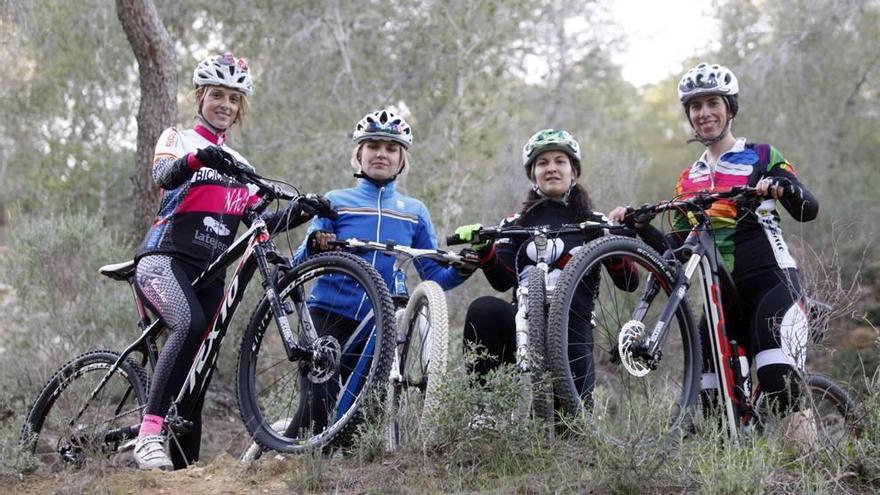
(552, 162)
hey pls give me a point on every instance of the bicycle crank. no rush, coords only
(630, 344)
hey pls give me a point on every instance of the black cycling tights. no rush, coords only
(772, 327)
(490, 322)
(165, 285)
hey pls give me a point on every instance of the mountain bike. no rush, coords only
(91, 408)
(647, 359)
(421, 350)
(533, 294)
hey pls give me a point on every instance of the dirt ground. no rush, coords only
(224, 475)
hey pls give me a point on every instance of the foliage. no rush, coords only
(463, 72)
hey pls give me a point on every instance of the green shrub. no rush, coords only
(58, 306)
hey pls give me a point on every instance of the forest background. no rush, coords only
(462, 72)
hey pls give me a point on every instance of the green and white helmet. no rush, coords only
(551, 140)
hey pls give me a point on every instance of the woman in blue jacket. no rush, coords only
(372, 210)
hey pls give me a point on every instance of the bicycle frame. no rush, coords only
(703, 256)
(254, 251)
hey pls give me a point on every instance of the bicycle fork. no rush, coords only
(524, 361)
(280, 310)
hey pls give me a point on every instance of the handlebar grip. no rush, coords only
(454, 239)
(329, 214)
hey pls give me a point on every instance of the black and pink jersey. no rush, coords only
(200, 208)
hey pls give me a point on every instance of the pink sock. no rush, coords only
(151, 425)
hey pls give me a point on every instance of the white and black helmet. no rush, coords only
(224, 70)
(383, 125)
(705, 79)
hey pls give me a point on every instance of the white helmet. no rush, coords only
(705, 79)
(224, 70)
(384, 125)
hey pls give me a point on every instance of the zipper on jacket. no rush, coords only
(378, 221)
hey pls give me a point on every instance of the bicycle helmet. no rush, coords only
(705, 79)
(384, 125)
(224, 70)
(551, 140)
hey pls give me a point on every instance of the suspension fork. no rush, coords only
(294, 350)
(522, 298)
(679, 290)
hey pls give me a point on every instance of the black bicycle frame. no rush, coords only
(703, 256)
(255, 251)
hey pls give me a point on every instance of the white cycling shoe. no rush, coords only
(149, 453)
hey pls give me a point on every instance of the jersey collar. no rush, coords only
(371, 187)
(703, 162)
(207, 132)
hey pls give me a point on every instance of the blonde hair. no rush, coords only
(198, 96)
(355, 161)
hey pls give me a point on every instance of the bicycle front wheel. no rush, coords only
(607, 302)
(291, 405)
(424, 351)
(541, 391)
(64, 428)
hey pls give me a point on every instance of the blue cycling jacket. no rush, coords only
(376, 213)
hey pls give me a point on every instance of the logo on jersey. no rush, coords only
(172, 140)
(236, 200)
(555, 249)
(215, 226)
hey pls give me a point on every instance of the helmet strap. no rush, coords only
(214, 130)
(710, 141)
(563, 200)
(377, 182)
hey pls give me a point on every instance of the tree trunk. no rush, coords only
(157, 67)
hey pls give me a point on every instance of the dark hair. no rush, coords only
(578, 201)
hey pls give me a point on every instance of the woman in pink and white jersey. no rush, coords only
(199, 214)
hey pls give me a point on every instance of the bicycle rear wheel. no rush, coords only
(58, 436)
(294, 405)
(423, 364)
(607, 301)
(835, 417)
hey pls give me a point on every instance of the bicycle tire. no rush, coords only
(622, 407)
(541, 391)
(837, 416)
(269, 384)
(55, 443)
(424, 361)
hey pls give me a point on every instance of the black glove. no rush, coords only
(637, 218)
(315, 204)
(471, 262)
(219, 159)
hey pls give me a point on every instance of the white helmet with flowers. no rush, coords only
(383, 125)
(224, 70)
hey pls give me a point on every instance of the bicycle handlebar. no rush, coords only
(391, 248)
(490, 233)
(700, 201)
(270, 191)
